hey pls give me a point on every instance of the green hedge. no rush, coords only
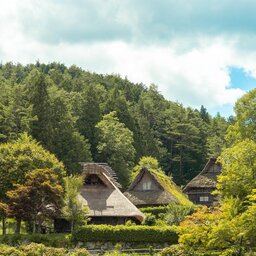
(121, 233)
(54, 240)
(155, 210)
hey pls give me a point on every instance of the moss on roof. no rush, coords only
(171, 187)
(168, 190)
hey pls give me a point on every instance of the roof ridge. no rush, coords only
(106, 169)
(204, 173)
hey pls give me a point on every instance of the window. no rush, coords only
(147, 185)
(93, 179)
(204, 198)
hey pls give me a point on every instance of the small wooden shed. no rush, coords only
(200, 188)
(154, 188)
(107, 204)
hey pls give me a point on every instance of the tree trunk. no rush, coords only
(18, 225)
(34, 227)
(72, 225)
(29, 227)
(181, 174)
(4, 226)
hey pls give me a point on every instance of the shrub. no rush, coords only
(181, 250)
(122, 233)
(6, 250)
(79, 252)
(175, 213)
(150, 220)
(34, 249)
(176, 250)
(117, 253)
(155, 210)
(54, 240)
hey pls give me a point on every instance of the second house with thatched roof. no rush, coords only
(200, 188)
(154, 188)
(107, 204)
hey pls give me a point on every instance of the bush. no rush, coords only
(176, 250)
(34, 249)
(117, 253)
(150, 220)
(79, 252)
(181, 250)
(175, 213)
(54, 240)
(155, 210)
(122, 233)
(6, 250)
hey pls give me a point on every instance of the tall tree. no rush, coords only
(116, 146)
(73, 210)
(37, 89)
(67, 143)
(20, 157)
(88, 110)
(216, 139)
(15, 112)
(39, 198)
(238, 176)
(245, 121)
(3, 215)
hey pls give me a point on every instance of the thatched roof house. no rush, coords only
(199, 189)
(154, 188)
(101, 194)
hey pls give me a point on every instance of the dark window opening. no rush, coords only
(93, 180)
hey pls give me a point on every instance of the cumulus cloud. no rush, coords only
(185, 48)
(126, 20)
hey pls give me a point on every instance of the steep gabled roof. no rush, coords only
(98, 168)
(207, 178)
(106, 200)
(166, 193)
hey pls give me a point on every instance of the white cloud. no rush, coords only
(196, 77)
(193, 71)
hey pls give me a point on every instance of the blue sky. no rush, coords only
(198, 52)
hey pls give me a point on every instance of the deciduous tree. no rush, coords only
(39, 198)
(116, 146)
(73, 210)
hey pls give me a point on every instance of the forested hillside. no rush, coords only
(83, 116)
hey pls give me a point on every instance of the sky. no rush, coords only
(197, 52)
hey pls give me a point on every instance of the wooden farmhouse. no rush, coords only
(107, 204)
(154, 188)
(200, 188)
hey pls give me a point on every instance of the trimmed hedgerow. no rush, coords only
(155, 210)
(121, 233)
(53, 240)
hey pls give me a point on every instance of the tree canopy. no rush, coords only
(60, 107)
(40, 197)
(115, 146)
(230, 226)
(18, 158)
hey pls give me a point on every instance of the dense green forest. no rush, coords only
(82, 116)
(51, 114)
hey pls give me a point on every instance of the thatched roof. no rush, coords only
(163, 190)
(100, 167)
(207, 178)
(105, 199)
